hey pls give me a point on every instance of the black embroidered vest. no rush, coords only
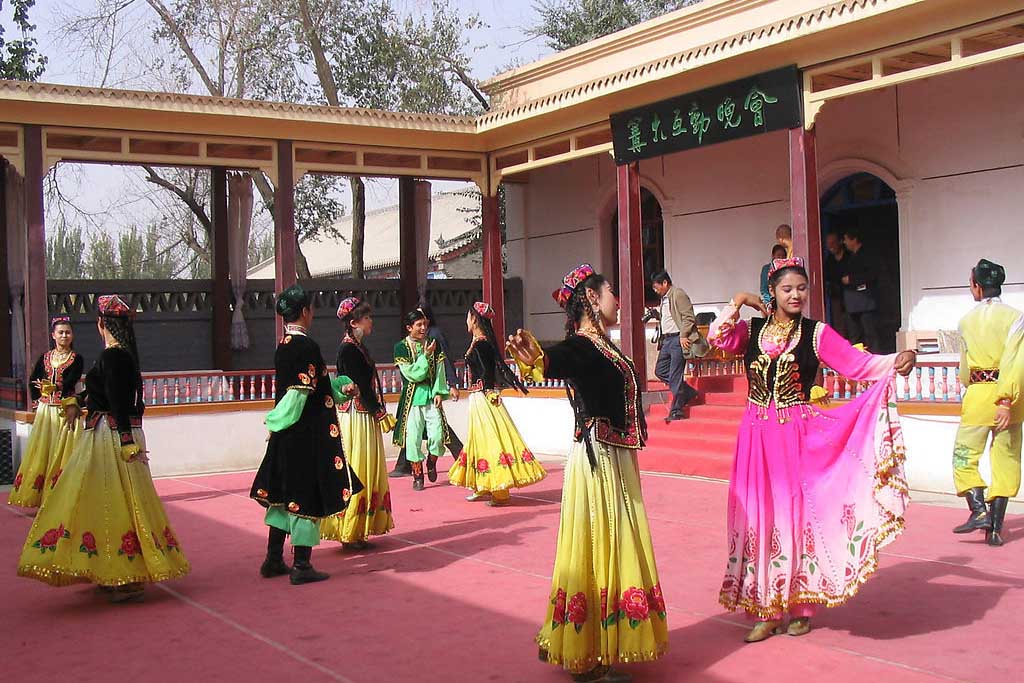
(786, 380)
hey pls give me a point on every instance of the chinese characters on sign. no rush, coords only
(759, 104)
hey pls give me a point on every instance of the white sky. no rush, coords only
(97, 188)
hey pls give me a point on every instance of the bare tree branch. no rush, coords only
(186, 48)
(185, 195)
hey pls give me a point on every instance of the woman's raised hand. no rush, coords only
(752, 300)
(523, 347)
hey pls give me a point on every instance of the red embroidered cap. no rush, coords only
(113, 306)
(347, 306)
(780, 263)
(59, 320)
(570, 282)
(484, 309)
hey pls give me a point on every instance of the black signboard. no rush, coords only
(750, 106)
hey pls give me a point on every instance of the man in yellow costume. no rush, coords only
(991, 365)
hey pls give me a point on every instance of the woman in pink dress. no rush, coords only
(814, 494)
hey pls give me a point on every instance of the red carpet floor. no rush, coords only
(457, 591)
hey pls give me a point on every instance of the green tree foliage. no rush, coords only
(20, 60)
(64, 251)
(567, 23)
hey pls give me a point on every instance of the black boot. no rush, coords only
(994, 536)
(979, 518)
(402, 467)
(432, 468)
(302, 571)
(417, 476)
(274, 564)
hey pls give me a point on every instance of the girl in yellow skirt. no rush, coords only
(495, 458)
(52, 438)
(363, 420)
(103, 522)
(606, 606)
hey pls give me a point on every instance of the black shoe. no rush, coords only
(675, 415)
(432, 468)
(979, 518)
(398, 473)
(417, 483)
(307, 574)
(274, 566)
(994, 536)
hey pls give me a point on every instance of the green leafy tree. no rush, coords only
(64, 249)
(567, 23)
(101, 260)
(20, 60)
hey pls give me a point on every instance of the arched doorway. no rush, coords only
(652, 237)
(865, 202)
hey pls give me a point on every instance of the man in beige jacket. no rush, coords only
(679, 339)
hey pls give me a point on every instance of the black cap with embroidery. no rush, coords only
(988, 274)
(292, 301)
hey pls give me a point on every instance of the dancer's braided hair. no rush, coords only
(503, 374)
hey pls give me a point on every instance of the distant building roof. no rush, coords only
(454, 224)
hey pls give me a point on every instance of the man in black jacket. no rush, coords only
(860, 293)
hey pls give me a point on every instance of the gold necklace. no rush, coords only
(58, 357)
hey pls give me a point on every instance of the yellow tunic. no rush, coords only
(993, 337)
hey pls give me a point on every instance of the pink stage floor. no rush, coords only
(457, 591)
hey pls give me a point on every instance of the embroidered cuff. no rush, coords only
(129, 451)
(69, 401)
(534, 372)
(127, 438)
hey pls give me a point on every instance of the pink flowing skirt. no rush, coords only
(814, 494)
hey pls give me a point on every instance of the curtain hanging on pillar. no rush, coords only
(423, 205)
(16, 267)
(239, 223)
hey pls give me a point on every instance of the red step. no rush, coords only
(725, 384)
(715, 412)
(736, 399)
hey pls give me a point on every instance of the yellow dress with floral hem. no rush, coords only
(606, 604)
(495, 457)
(369, 511)
(104, 522)
(50, 444)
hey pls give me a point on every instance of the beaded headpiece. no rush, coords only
(113, 306)
(59, 320)
(570, 282)
(347, 306)
(484, 309)
(780, 263)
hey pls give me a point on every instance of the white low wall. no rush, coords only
(194, 443)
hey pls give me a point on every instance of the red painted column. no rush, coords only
(284, 223)
(5, 286)
(805, 209)
(221, 319)
(36, 311)
(493, 266)
(408, 284)
(631, 276)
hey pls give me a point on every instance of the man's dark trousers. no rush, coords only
(670, 369)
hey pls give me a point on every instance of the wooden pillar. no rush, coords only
(631, 276)
(493, 266)
(284, 223)
(5, 285)
(408, 292)
(36, 312)
(221, 319)
(805, 208)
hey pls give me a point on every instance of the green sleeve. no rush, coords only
(287, 411)
(417, 370)
(440, 387)
(336, 385)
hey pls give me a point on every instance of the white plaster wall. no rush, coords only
(952, 148)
